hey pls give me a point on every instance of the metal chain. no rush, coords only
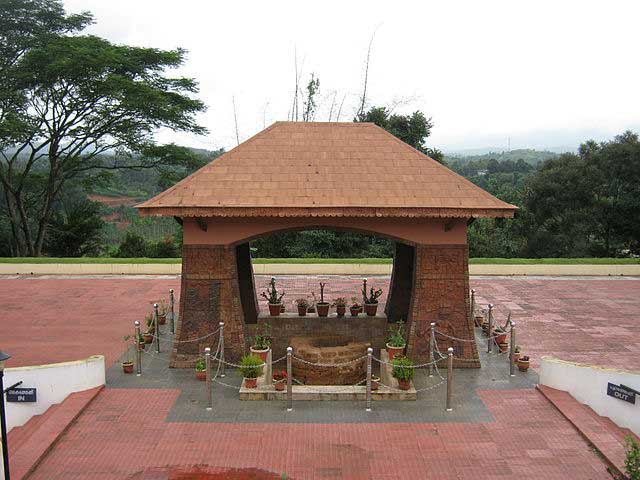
(302, 360)
(185, 341)
(431, 387)
(422, 365)
(470, 340)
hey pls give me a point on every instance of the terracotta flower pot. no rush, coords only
(162, 319)
(503, 346)
(485, 328)
(201, 375)
(523, 365)
(302, 311)
(516, 356)
(355, 311)
(250, 382)
(404, 384)
(375, 382)
(275, 309)
(280, 384)
(323, 309)
(127, 367)
(341, 310)
(142, 344)
(260, 353)
(148, 338)
(371, 309)
(500, 337)
(393, 351)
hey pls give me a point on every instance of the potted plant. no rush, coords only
(523, 363)
(516, 353)
(201, 369)
(500, 335)
(280, 380)
(322, 307)
(262, 342)
(341, 306)
(371, 300)
(303, 305)
(403, 372)
(147, 337)
(163, 309)
(396, 341)
(127, 366)
(503, 346)
(312, 304)
(375, 382)
(274, 298)
(151, 327)
(141, 342)
(355, 307)
(251, 368)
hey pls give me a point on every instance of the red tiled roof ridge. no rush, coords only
(295, 169)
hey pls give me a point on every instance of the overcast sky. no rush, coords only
(544, 73)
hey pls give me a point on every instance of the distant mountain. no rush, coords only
(530, 156)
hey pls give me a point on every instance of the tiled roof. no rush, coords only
(325, 169)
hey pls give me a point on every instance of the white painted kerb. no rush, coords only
(588, 385)
(54, 382)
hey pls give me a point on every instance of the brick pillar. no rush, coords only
(399, 301)
(209, 294)
(441, 295)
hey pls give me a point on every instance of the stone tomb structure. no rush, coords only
(340, 176)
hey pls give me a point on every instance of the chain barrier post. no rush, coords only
(221, 359)
(512, 350)
(207, 362)
(289, 380)
(473, 304)
(155, 322)
(136, 329)
(172, 302)
(369, 361)
(449, 379)
(490, 340)
(432, 348)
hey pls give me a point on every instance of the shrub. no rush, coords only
(251, 366)
(200, 365)
(632, 460)
(402, 368)
(133, 246)
(396, 336)
(165, 248)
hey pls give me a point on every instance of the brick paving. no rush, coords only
(144, 432)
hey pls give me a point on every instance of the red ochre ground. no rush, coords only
(123, 433)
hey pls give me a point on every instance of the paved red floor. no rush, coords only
(123, 432)
(57, 320)
(53, 320)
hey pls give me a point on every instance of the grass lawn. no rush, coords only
(494, 261)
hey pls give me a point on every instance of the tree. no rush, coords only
(411, 129)
(81, 96)
(75, 230)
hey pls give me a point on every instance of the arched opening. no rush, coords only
(331, 242)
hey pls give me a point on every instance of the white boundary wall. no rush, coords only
(54, 382)
(588, 385)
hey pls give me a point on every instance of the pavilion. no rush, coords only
(339, 176)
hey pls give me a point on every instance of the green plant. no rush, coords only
(373, 296)
(251, 366)
(355, 303)
(262, 339)
(272, 295)
(517, 350)
(340, 302)
(200, 365)
(396, 335)
(402, 368)
(322, 285)
(148, 320)
(632, 459)
(302, 302)
(163, 307)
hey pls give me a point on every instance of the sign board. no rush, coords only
(621, 392)
(21, 395)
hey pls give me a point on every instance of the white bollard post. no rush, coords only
(490, 341)
(289, 380)
(136, 328)
(369, 361)
(221, 355)
(449, 408)
(512, 350)
(155, 322)
(432, 348)
(172, 302)
(207, 360)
